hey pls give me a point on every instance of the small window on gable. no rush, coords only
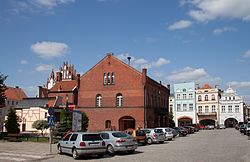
(98, 100)
(206, 97)
(109, 78)
(113, 78)
(104, 79)
(119, 100)
(184, 90)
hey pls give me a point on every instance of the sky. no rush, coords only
(205, 41)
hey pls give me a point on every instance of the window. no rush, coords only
(73, 137)
(206, 109)
(230, 109)
(237, 108)
(109, 78)
(104, 79)
(113, 78)
(45, 115)
(104, 135)
(171, 108)
(67, 137)
(229, 98)
(206, 97)
(190, 95)
(98, 100)
(223, 109)
(200, 109)
(199, 98)
(178, 107)
(213, 108)
(184, 107)
(233, 98)
(119, 100)
(12, 102)
(213, 97)
(178, 96)
(184, 96)
(184, 90)
(107, 124)
(191, 107)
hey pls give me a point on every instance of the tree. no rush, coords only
(85, 121)
(170, 119)
(2, 90)
(11, 124)
(40, 125)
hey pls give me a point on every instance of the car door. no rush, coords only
(72, 142)
(64, 143)
(106, 138)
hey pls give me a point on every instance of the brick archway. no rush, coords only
(230, 122)
(126, 122)
(185, 121)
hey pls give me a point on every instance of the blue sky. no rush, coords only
(206, 41)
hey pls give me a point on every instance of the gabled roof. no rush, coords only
(115, 58)
(64, 86)
(15, 93)
(38, 102)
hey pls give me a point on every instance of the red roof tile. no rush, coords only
(15, 93)
(64, 86)
(206, 86)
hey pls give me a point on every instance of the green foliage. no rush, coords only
(2, 90)
(85, 121)
(170, 120)
(65, 124)
(40, 125)
(11, 124)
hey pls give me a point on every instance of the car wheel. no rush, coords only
(170, 139)
(161, 142)
(75, 154)
(59, 149)
(149, 141)
(131, 151)
(100, 155)
(110, 150)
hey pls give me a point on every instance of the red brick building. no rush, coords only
(114, 95)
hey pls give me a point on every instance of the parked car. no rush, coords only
(181, 131)
(221, 126)
(154, 135)
(139, 135)
(168, 133)
(209, 127)
(190, 129)
(243, 128)
(175, 132)
(248, 128)
(82, 143)
(117, 141)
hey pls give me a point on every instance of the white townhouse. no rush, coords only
(231, 108)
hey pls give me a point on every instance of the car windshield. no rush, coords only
(158, 130)
(140, 133)
(91, 137)
(119, 134)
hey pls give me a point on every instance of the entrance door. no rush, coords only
(126, 122)
(23, 127)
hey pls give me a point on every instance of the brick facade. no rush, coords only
(111, 78)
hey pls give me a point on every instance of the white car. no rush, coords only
(209, 127)
(168, 133)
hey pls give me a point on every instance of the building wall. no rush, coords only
(28, 116)
(230, 98)
(184, 94)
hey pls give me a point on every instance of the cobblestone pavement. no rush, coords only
(205, 146)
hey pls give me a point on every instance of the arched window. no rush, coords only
(113, 78)
(119, 100)
(184, 90)
(104, 79)
(206, 97)
(199, 98)
(213, 97)
(107, 124)
(109, 78)
(98, 100)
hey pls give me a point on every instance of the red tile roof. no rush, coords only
(64, 86)
(15, 93)
(206, 86)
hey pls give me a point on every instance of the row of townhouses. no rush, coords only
(207, 105)
(116, 96)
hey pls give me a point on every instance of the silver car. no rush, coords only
(154, 135)
(117, 141)
(168, 133)
(82, 143)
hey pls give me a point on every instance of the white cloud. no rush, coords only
(188, 74)
(49, 50)
(24, 62)
(219, 31)
(180, 25)
(238, 85)
(247, 54)
(51, 3)
(143, 63)
(205, 10)
(44, 68)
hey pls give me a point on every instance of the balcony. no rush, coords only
(206, 113)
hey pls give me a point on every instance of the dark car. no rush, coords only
(190, 129)
(181, 131)
(243, 128)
